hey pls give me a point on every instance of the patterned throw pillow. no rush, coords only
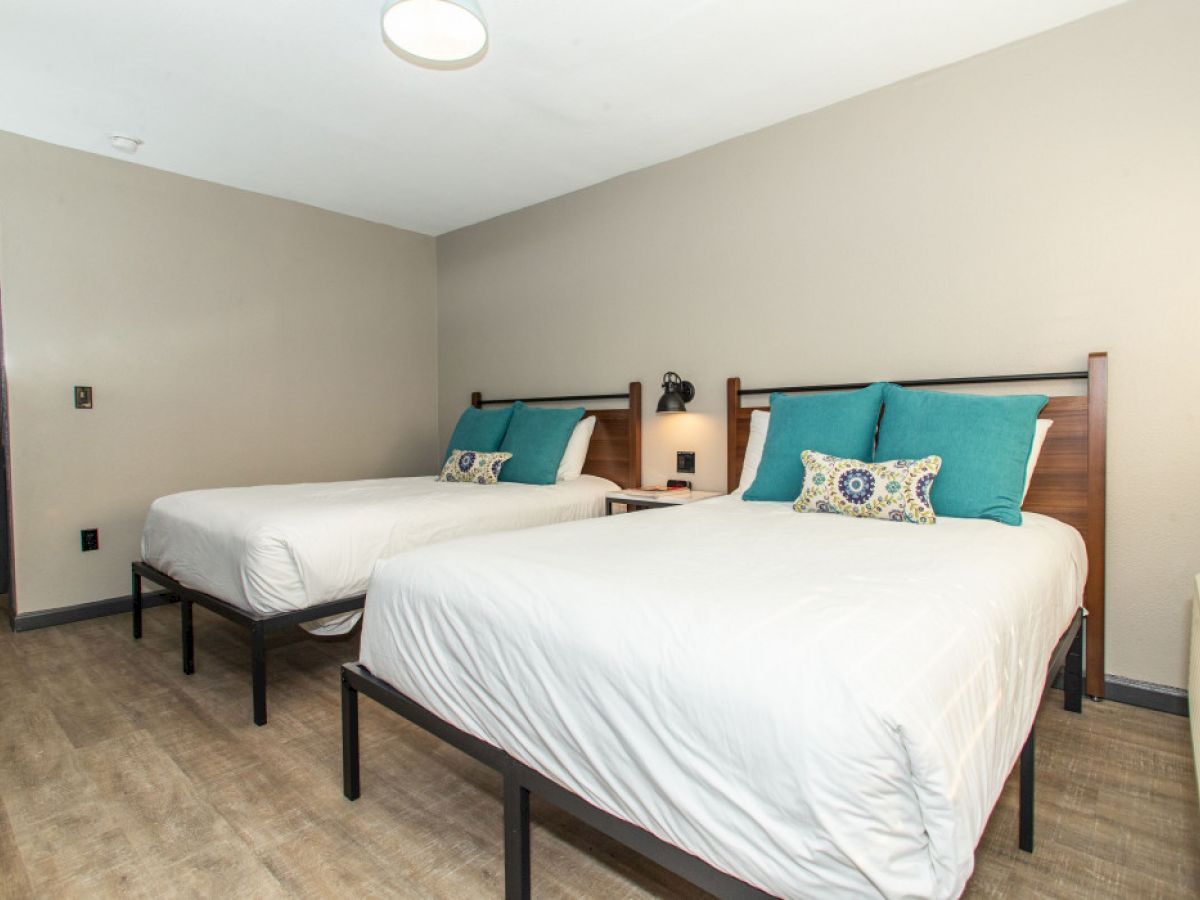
(473, 466)
(897, 489)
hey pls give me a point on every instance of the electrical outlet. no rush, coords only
(83, 396)
(89, 539)
(685, 461)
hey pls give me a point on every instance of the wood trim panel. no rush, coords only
(1097, 490)
(635, 436)
(734, 454)
(1068, 483)
(1059, 487)
(615, 452)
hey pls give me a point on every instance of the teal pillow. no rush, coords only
(984, 443)
(837, 424)
(480, 430)
(537, 439)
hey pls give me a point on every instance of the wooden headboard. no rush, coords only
(1067, 484)
(615, 452)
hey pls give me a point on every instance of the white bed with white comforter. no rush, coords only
(276, 548)
(821, 706)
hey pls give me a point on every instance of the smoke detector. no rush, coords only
(125, 144)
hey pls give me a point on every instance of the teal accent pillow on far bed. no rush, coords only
(984, 443)
(480, 430)
(837, 424)
(537, 439)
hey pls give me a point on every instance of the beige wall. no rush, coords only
(1007, 213)
(231, 339)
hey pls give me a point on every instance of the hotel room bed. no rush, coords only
(765, 702)
(273, 556)
(818, 705)
(279, 548)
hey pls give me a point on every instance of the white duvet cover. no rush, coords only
(821, 706)
(275, 548)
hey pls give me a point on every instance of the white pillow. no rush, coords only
(1039, 438)
(759, 420)
(570, 466)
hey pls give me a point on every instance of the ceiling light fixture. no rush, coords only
(437, 34)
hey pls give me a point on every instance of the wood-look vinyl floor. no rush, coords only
(121, 777)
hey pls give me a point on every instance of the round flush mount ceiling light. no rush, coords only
(125, 144)
(437, 34)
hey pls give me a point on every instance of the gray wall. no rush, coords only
(1008, 213)
(231, 339)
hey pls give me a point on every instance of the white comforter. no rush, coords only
(275, 548)
(822, 706)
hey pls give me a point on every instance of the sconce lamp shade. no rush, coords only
(677, 393)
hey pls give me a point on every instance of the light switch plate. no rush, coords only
(685, 461)
(83, 396)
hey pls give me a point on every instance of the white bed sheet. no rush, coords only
(275, 548)
(822, 706)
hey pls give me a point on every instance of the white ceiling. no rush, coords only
(301, 99)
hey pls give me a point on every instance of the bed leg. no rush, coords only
(517, 877)
(258, 671)
(187, 638)
(1025, 839)
(350, 784)
(137, 606)
(1073, 676)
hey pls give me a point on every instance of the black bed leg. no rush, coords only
(350, 785)
(258, 675)
(1073, 675)
(188, 643)
(137, 606)
(1025, 840)
(517, 878)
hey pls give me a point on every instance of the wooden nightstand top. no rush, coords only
(656, 499)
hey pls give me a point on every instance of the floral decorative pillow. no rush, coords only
(897, 489)
(473, 466)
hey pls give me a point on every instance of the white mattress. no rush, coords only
(822, 706)
(275, 548)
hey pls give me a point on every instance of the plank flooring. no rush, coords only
(121, 777)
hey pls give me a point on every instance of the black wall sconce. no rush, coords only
(677, 393)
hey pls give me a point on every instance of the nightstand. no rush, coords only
(657, 500)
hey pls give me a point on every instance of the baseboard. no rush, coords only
(61, 615)
(1146, 694)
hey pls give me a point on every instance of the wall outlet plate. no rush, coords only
(685, 461)
(89, 539)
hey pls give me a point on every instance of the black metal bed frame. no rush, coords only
(520, 781)
(259, 625)
(921, 382)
